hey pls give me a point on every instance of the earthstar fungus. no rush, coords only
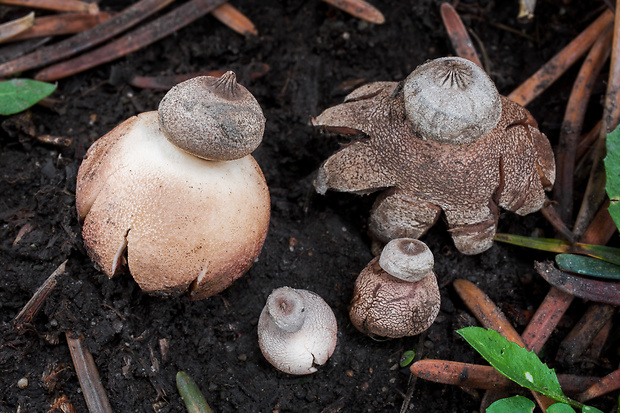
(441, 141)
(175, 193)
(396, 295)
(296, 330)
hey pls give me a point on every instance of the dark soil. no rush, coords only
(314, 53)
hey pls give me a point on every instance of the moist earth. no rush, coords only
(315, 55)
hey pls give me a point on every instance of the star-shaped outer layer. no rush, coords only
(511, 167)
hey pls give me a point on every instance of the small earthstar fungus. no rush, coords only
(296, 330)
(442, 140)
(175, 193)
(396, 295)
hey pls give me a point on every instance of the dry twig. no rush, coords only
(90, 382)
(36, 301)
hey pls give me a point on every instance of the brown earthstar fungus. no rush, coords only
(443, 140)
(396, 295)
(296, 330)
(175, 193)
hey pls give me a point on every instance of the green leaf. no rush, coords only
(584, 265)
(612, 173)
(191, 395)
(515, 404)
(513, 361)
(19, 94)
(560, 408)
(590, 409)
(407, 358)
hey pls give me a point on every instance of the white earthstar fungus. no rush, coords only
(296, 331)
(180, 222)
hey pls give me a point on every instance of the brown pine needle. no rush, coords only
(485, 310)
(573, 124)
(58, 5)
(85, 40)
(559, 63)
(135, 40)
(579, 338)
(461, 42)
(546, 318)
(602, 227)
(607, 292)
(485, 377)
(360, 9)
(605, 385)
(595, 190)
(36, 301)
(61, 24)
(492, 317)
(88, 375)
(11, 29)
(587, 142)
(234, 19)
(551, 215)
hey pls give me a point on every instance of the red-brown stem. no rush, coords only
(559, 63)
(135, 40)
(595, 190)
(485, 377)
(605, 385)
(234, 19)
(461, 42)
(36, 301)
(573, 123)
(58, 5)
(66, 23)
(360, 9)
(88, 376)
(85, 40)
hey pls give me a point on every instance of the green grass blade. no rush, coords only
(604, 253)
(191, 395)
